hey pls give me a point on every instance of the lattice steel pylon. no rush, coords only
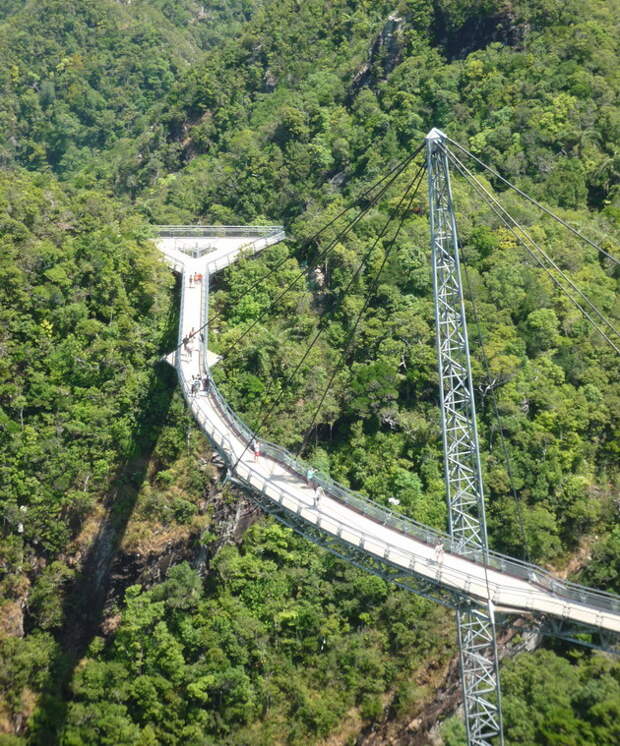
(463, 477)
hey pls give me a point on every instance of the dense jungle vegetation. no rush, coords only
(119, 114)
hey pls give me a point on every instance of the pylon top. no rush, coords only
(436, 135)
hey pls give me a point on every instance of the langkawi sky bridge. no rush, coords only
(455, 568)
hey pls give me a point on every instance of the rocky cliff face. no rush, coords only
(456, 38)
(228, 522)
(384, 55)
(116, 565)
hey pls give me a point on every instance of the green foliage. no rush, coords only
(604, 571)
(24, 668)
(46, 597)
(79, 75)
(288, 634)
(549, 701)
(453, 732)
(283, 112)
(82, 299)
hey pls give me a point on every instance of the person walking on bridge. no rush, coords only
(195, 386)
(319, 494)
(439, 552)
(256, 449)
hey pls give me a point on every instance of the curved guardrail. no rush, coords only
(188, 239)
(215, 231)
(251, 247)
(563, 590)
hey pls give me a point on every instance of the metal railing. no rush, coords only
(182, 241)
(217, 231)
(563, 590)
(249, 248)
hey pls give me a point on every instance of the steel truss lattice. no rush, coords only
(595, 638)
(465, 497)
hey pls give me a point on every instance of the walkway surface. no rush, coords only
(523, 588)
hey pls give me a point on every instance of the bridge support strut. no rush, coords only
(466, 517)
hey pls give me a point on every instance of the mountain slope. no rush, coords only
(286, 111)
(77, 76)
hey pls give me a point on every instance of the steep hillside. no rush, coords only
(78, 76)
(117, 114)
(331, 94)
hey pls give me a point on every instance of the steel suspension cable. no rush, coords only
(357, 272)
(540, 206)
(533, 243)
(342, 294)
(389, 178)
(348, 228)
(487, 368)
(369, 293)
(511, 223)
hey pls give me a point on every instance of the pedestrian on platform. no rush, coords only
(319, 494)
(310, 476)
(439, 551)
(187, 347)
(191, 281)
(256, 449)
(205, 383)
(195, 386)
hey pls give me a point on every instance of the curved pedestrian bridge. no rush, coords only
(346, 519)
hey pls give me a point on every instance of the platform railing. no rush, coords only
(251, 247)
(217, 231)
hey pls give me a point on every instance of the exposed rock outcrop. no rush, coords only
(385, 53)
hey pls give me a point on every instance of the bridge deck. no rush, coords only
(284, 485)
